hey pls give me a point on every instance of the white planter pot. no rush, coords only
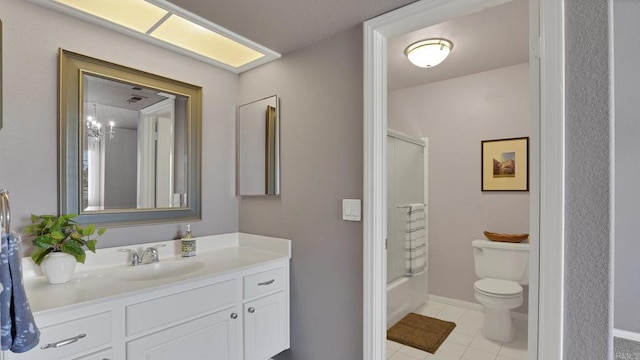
(58, 267)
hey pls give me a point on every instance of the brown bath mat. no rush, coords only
(420, 332)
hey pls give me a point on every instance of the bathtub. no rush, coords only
(405, 295)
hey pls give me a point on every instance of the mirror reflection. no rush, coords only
(134, 146)
(130, 144)
(259, 148)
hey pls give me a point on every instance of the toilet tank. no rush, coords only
(501, 260)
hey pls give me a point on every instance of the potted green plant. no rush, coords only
(60, 242)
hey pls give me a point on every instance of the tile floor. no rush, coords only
(465, 341)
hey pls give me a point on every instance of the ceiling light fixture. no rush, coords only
(165, 24)
(94, 127)
(428, 53)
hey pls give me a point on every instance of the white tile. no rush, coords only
(470, 330)
(431, 308)
(443, 356)
(475, 354)
(451, 313)
(513, 354)
(482, 343)
(460, 338)
(392, 348)
(436, 304)
(401, 356)
(451, 348)
(413, 352)
(428, 311)
(503, 358)
(516, 350)
(393, 345)
(472, 317)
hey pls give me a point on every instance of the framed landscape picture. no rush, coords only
(505, 164)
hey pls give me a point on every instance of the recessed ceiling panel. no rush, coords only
(138, 15)
(193, 37)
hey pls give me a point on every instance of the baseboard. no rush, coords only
(472, 306)
(629, 335)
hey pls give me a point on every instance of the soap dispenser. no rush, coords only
(188, 244)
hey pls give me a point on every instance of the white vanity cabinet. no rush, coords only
(266, 313)
(234, 306)
(243, 317)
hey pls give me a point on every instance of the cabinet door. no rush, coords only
(211, 337)
(265, 327)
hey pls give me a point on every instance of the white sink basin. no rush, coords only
(160, 270)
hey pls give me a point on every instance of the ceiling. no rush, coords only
(490, 39)
(117, 101)
(285, 25)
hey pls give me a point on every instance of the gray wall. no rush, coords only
(28, 142)
(627, 165)
(588, 273)
(121, 169)
(456, 115)
(320, 90)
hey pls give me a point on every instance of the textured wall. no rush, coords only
(456, 115)
(320, 90)
(587, 216)
(627, 164)
(28, 141)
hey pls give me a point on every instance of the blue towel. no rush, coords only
(18, 329)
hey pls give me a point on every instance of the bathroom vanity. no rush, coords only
(230, 302)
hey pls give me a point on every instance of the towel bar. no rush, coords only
(406, 206)
(5, 211)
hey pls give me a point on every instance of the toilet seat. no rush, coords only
(498, 288)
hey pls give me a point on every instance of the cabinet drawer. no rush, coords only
(64, 340)
(263, 282)
(168, 309)
(102, 355)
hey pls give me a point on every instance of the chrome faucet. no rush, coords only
(153, 251)
(137, 259)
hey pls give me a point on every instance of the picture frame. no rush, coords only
(505, 164)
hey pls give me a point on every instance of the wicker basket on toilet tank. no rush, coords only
(512, 238)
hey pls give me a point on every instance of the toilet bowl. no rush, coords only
(502, 268)
(498, 297)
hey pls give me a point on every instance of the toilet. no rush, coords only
(502, 268)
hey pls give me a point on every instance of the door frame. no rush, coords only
(546, 289)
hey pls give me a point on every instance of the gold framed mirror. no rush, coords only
(129, 144)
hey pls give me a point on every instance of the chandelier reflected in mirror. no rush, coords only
(94, 127)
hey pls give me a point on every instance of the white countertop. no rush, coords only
(100, 277)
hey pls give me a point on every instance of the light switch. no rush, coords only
(351, 209)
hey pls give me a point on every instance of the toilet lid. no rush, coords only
(498, 287)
